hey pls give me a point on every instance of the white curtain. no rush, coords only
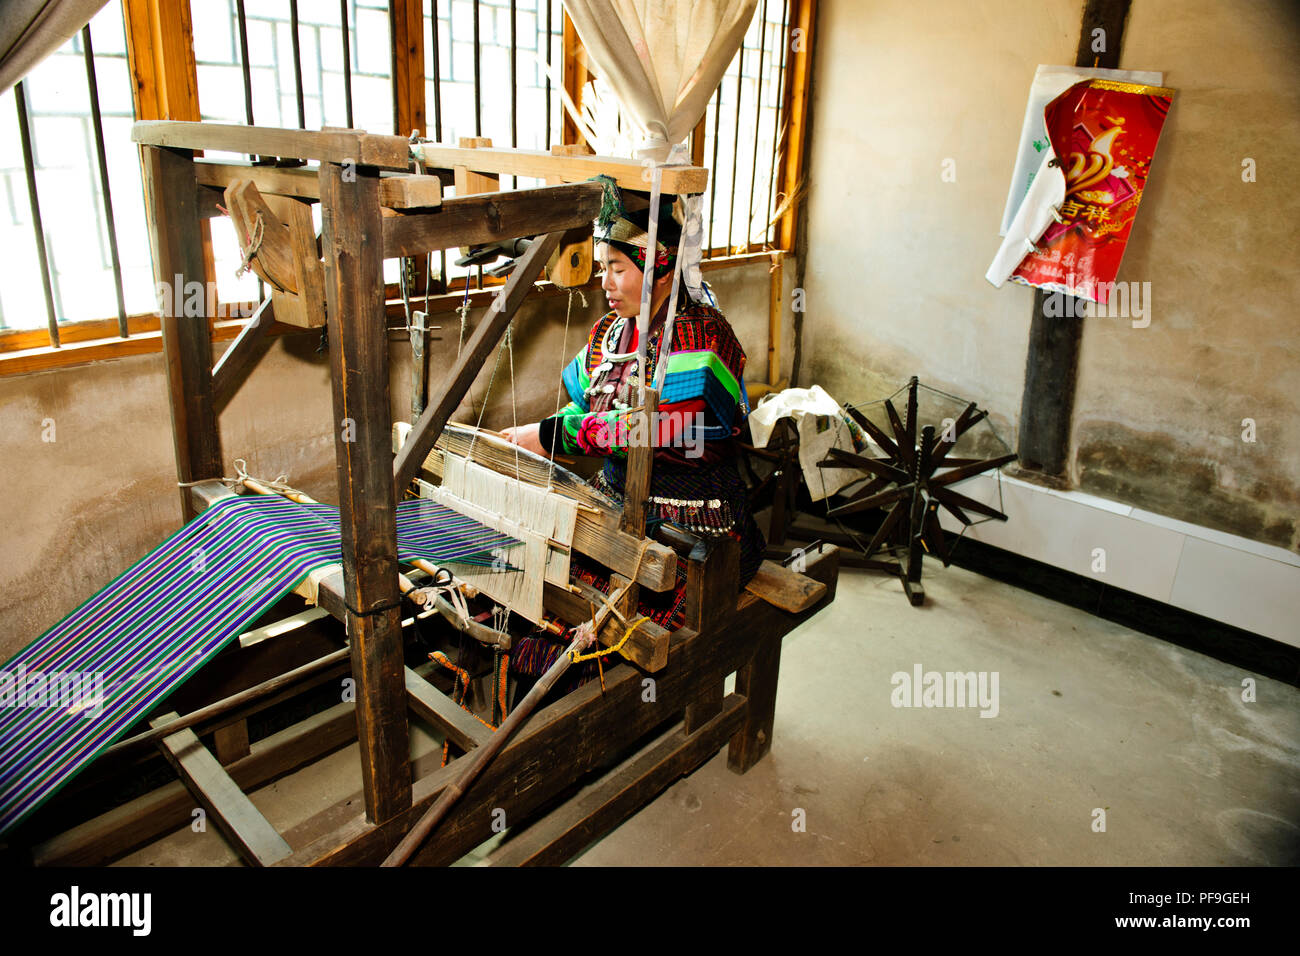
(30, 30)
(663, 58)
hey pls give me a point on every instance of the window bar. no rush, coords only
(713, 169)
(297, 64)
(514, 84)
(550, 11)
(98, 124)
(758, 114)
(437, 80)
(478, 103)
(347, 58)
(243, 60)
(735, 146)
(25, 134)
(437, 124)
(478, 98)
(776, 116)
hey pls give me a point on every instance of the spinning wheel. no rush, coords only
(780, 484)
(906, 483)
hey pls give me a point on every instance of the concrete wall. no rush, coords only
(897, 256)
(80, 509)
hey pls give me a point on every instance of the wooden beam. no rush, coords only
(629, 173)
(425, 431)
(359, 366)
(164, 74)
(406, 29)
(324, 146)
(468, 182)
(294, 679)
(460, 726)
(492, 217)
(240, 356)
(396, 190)
(574, 76)
(794, 110)
(567, 831)
(784, 588)
(300, 181)
(187, 341)
(227, 806)
(410, 191)
(160, 50)
(106, 837)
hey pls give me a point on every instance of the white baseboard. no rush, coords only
(1222, 576)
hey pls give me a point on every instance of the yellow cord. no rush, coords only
(576, 657)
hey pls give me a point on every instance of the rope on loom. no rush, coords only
(632, 627)
(254, 243)
(241, 470)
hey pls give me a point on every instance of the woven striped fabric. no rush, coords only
(79, 686)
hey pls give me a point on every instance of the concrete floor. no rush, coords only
(1091, 717)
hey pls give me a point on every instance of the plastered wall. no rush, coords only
(85, 500)
(897, 255)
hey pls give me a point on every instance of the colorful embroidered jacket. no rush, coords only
(702, 403)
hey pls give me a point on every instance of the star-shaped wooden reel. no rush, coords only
(912, 482)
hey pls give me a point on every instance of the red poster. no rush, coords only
(1105, 134)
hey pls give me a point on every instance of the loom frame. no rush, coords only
(374, 208)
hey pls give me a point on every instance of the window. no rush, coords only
(742, 138)
(80, 237)
(491, 68)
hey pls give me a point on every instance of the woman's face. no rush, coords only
(621, 280)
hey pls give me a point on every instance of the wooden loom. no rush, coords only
(372, 209)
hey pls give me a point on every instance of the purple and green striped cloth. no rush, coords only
(83, 683)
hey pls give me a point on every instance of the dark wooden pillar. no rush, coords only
(712, 582)
(1051, 367)
(757, 682)
(171, 191)
(353, 252)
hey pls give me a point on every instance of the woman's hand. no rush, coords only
(525, 436)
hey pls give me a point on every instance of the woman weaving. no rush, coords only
(694, 481)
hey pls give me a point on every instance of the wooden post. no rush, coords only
(640, 460)
(1051, 365)
(354, 288)
(712, 584)
(468, 182)
(795, 97)
(757, 682)
(187, 342)
(575, 79)
(164, 76)
(406, 27)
